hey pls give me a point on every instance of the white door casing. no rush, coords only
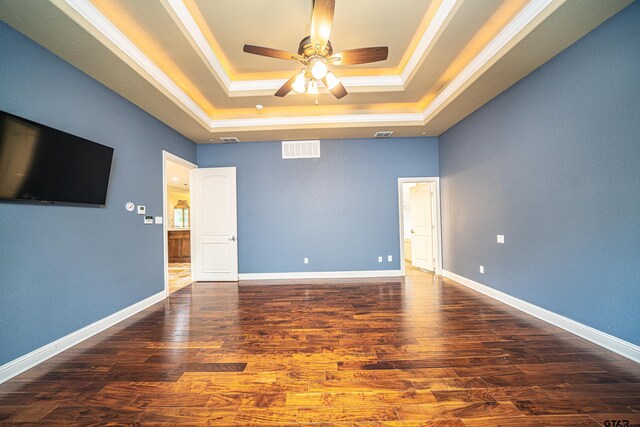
(214, 226)
(422, 226)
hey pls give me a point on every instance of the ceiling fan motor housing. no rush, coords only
(307, 50)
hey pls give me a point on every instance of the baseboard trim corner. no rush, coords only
(39, 355)
(623, 348)
(320, 275)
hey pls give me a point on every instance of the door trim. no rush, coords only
(165, 243)
(438, 234)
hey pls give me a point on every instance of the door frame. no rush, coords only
(438, 234)
(167, 156)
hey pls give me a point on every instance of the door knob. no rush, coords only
(412, 232)
(232, 238)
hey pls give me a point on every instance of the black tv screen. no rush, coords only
(44, 165)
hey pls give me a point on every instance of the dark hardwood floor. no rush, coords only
(418, 352)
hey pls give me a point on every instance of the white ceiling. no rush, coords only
(177, 175)
(182, 60)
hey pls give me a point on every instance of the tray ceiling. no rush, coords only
(182, 60)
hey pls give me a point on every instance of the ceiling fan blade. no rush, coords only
(287, 87)
(267, 51)
(363, 55)
(338, 90)
(321, 23)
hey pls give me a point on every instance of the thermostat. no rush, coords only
(148, 219)
(130, 206)
(141, 210)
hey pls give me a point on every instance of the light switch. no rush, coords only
(482, 269)
(158, 220)
(500, 238)
(379, 259)
(389, 258)
(306, 260)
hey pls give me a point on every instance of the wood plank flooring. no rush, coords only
(422, 351)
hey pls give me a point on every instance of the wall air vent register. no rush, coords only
(300, 149)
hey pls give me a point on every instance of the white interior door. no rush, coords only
(422, 226)
(214, 227)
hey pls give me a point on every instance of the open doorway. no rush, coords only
(177, 223)
(419, 211)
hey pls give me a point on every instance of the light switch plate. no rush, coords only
(158, 220)
(306, 260)
(482, 269)
(379, 259)
(500, 238)
(142, 210)
(389, 258)
(148, 219)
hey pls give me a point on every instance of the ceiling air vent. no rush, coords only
(300, 149)
(227, 139)
(383, 134)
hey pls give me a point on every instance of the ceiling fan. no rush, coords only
(316, 53)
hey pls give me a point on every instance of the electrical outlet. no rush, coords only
(500, 238)
(482, 269)
(306, 260)
(379, 259)
(389, 258)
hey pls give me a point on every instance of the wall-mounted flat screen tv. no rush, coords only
(39, 164)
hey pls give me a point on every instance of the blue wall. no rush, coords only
(554, 165)
(340, 211)
(63, 268)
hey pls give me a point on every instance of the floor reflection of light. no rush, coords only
(422, 316)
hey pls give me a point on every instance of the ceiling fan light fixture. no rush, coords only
(300, 83)
(319, 69)
(315, 52)
(313, 87)
(331, 81)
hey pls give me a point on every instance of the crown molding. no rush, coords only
(302, 121)
(513, 32)
(183, 18)
(533, 12)
(181, 15)
(113, 35)
(445, 12)
(239, 88)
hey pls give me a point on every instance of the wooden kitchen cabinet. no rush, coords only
(179, 246)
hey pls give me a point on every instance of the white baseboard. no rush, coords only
(29, 360)
(617, 345)
(320, 275)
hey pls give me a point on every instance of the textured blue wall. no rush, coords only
(554, 165)
(63, 268)
(340, 211)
